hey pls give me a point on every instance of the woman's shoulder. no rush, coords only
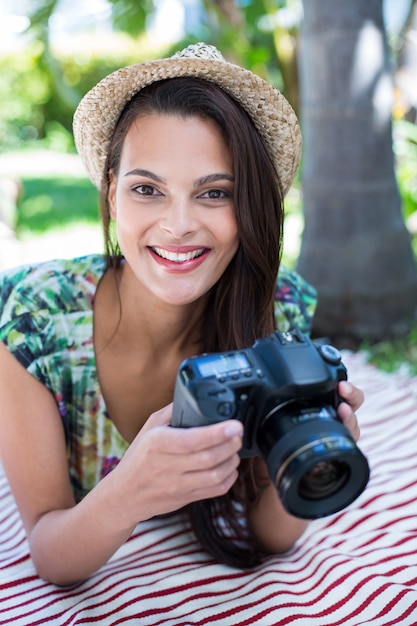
(61, 284)
(295, 301)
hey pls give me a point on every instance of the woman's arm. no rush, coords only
(164, 469)
(273, 527)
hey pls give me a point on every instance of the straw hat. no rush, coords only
(97, 114)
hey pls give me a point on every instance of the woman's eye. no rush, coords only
(216, 194)
(145, 190)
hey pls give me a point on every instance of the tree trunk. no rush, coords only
(355, 247)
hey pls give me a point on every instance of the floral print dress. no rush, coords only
(46, 321)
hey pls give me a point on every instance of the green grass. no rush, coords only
(57, 201)
(395, 355)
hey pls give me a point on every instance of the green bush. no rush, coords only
(39, 93)
(405, 148)
(24, 91)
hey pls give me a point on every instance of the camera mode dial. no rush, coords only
(330, 354)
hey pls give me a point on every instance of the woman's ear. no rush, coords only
(112, 194)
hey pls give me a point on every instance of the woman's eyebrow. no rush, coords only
(146, 174)
(203, 180)
(213, 178)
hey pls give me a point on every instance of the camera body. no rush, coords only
(284, 391)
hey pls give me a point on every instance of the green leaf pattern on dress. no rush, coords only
(46, 321)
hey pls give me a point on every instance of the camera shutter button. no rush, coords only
(330, 354)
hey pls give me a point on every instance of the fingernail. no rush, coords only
(233, 429)
(347, 387)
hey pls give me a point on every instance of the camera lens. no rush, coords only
(323, 480)
(312, 459)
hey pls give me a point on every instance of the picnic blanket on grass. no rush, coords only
(356, 567)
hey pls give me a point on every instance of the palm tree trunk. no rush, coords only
(355, 247)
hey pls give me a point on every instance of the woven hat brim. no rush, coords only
(97, 114)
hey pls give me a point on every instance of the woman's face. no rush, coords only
(172, 202)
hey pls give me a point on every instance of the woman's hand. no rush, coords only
(274, 528)
(166, 468)
(353, 398)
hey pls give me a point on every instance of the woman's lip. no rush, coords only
(178, 263)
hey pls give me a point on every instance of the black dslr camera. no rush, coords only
(284, 391)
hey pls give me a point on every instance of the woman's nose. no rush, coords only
(179, 219)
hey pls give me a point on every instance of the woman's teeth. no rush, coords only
(178, 257)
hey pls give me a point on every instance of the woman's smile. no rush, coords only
(186, 257)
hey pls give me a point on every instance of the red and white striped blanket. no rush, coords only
(356, 567)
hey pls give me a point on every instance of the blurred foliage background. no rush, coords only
(45, 74)
(43, 78)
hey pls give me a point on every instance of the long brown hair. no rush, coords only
(240, 307)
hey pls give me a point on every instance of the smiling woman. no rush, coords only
(192, 156)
